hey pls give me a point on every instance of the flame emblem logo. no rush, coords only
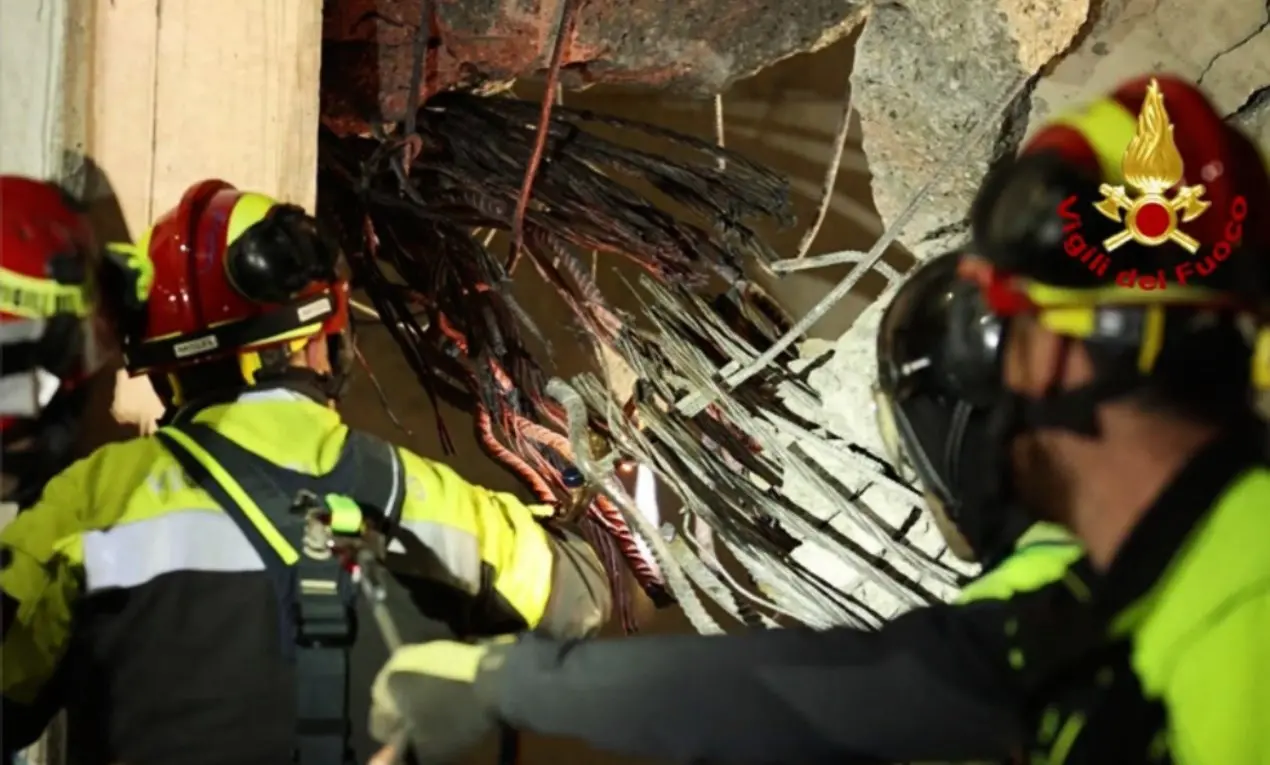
(1152, 166)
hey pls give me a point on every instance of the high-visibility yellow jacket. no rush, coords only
(161, 605)
(1184, 677)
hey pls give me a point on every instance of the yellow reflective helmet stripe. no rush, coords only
(136, 259)
(249, 209)
(1152, 337)
(1073, 312)
(235, 491)
(35, 298)
(1261, 360)
(1108, 128)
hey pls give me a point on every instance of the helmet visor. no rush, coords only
(904, 450)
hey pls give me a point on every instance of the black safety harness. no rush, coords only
(316, 595)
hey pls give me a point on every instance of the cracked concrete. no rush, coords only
(1223, 46)
(919, 87)
(923, 74)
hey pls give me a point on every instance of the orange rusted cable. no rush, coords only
(449, 331)
(545, 436)
(484, 429)
(500, 376)
(564, 30)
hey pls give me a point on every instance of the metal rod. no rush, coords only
(689, 407)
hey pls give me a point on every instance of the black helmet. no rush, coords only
(936, 431)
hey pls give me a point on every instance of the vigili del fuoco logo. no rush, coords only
(1152, 167)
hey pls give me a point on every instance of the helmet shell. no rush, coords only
(48, 254)
(1016, 217)
(192, 251)
(43, 237)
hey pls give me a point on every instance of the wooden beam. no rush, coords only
(186, 89)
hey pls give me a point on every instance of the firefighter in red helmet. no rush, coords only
(212, 623)
(1124, 260)
(224, 307)
(48, 331)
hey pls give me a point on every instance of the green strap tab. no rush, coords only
(346, 514)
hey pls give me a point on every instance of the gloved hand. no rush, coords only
(442, 693)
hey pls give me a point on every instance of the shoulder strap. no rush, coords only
(242, 490)
(378, 475)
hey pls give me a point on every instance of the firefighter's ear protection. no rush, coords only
(128, 273)
(273, 260)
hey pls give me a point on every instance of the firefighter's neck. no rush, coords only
(1123, 473)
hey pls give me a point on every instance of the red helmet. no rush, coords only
(48, 255)
(1028, 212)
(230, 273)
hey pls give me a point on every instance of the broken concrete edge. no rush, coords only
(696, 47)
(920, 89)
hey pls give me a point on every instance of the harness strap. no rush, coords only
(316, 598)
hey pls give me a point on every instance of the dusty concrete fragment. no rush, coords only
(694, 46)
(1225, 47)
(924, 73)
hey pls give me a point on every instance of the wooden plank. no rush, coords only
(185, 89)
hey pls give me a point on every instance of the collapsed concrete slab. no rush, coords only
(925, 71)
(694, 46)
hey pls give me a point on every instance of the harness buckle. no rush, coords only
(325, 592)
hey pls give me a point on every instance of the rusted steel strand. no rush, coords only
(485, 427)
(564, 31)
(577, 289)
(419, 51)
(412, 145)
(576, 189)
(484, 430)
(577, 209)
(621, 536)
(607, 513)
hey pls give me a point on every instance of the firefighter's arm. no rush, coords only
(40, 582)
(484, 561)
(1218, 696)
(925, 687)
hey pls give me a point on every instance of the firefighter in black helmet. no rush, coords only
(936, 683)
(1123, 261)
